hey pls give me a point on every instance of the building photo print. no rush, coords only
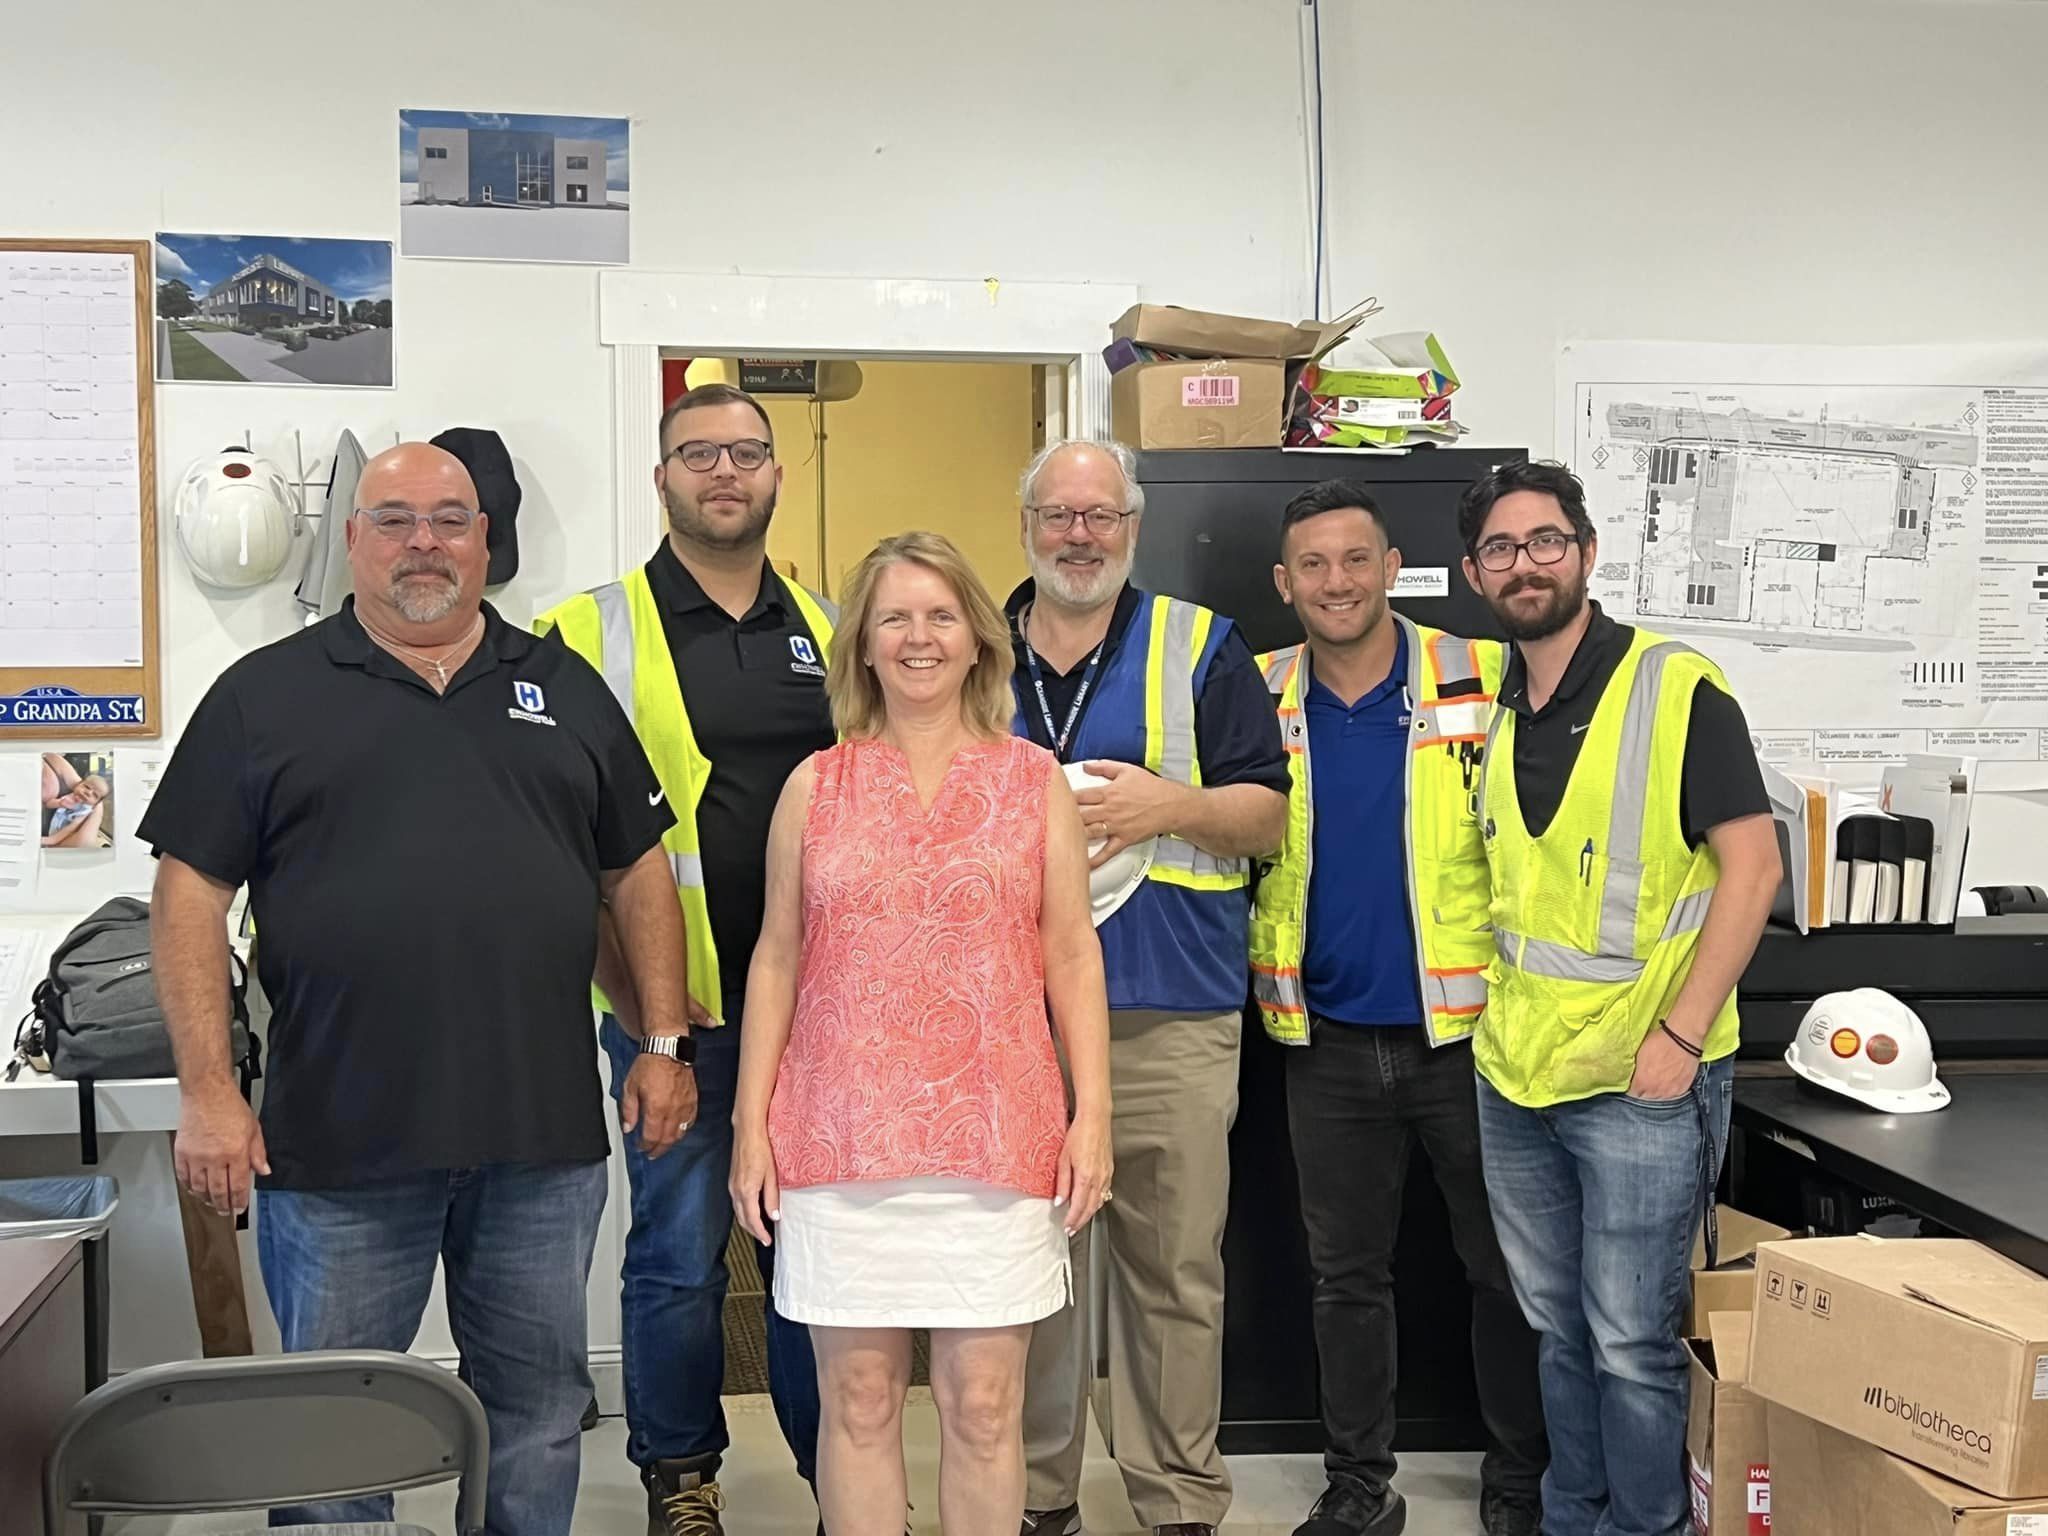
(512, 186)
(264, 309)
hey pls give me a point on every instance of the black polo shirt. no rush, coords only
(1721, 779)
(755, 691)
(1237, 735)
(423, 873)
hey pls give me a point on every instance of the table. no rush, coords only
(1975, 1167)
(42, 1361)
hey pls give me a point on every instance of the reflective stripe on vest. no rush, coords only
(1177, 634)
(615, 627)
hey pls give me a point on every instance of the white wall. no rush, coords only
(1807, 171)
(1155, 142)
(1064, 140)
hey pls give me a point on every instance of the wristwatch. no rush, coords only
(677, 1048)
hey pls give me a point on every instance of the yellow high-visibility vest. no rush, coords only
(1451, 684)
(1595, 922)
(617, 629)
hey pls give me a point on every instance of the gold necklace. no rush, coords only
(440, 666)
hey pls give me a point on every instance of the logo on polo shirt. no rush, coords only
(806, 654)
(530, 704)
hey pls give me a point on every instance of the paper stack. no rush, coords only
(1393, 392)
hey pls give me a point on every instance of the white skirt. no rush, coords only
(919, 1253)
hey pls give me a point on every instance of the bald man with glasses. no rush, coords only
(430, 808)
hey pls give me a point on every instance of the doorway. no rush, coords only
(873, 448)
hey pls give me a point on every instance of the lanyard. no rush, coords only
(1060, 735)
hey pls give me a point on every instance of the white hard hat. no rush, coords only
(1110, 886)
(1870, 1046)
(233, 514)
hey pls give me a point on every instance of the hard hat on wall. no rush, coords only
(233, 516)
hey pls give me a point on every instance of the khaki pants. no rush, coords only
(1174, 1086)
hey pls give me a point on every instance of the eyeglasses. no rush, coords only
(1546, 548)
(702, 456)
(396, 524)
(1101, 521)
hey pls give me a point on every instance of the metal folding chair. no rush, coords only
(207, 1436)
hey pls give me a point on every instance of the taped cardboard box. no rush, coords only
(1933, 1349)
(1826, 1483)
(1231, 389)
(1727, 1447)
(1730, 1286)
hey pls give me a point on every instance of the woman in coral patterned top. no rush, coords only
(901, 1119)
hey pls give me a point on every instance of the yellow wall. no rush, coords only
(923, 445)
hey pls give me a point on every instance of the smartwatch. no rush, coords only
(677, 1048)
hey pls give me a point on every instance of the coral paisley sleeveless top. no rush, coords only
(920, 1044)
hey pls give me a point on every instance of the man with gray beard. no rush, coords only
(430, 808)
(1162, 700)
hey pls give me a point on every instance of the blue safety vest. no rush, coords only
(1178, 944)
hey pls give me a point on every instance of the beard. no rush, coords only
(1564, 598)
(424, 602)
(1080, 586)
(689, 520)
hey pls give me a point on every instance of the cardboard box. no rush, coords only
(1730, 1286)
(1727, 1447)
(1826, 1483)
(1232, 394)
(1203, 333)
(1216, 403)
(1931, 1348)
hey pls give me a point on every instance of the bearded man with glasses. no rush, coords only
(1161, 699)
(430, 807)
(1632, 861)
(720, 662)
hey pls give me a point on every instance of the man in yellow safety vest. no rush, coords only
(1369, 945)
(720, 663)
(1633, 862)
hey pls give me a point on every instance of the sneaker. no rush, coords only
(1505, 1514)
(683, 1502)
(1349, 1508)
(1064, 1521)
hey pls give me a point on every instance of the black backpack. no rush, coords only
(96, 1015)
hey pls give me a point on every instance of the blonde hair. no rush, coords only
(986, 703)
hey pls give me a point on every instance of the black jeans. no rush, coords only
(1358, 1099)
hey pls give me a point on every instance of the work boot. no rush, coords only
(1064, 1521)
(1510, 1514)
(1349, 1508)
(683, 1497)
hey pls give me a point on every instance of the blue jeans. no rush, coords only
(352, 1269)
(1596, 1203)
(675, 1278)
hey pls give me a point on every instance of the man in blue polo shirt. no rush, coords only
(1369, 944)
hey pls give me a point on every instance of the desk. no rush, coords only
(1975, 1167)
(42, 1361)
